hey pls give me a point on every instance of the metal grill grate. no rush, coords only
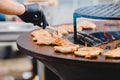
(106, 11)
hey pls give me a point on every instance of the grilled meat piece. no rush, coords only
(115, 53)
(65, 29)
(37, 33)
(86, 24)
(66, 48)
(62, 42)
(61, 30)
(42, 37)
(88, 52)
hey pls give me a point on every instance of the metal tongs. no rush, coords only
(51, 29)
(87, 39)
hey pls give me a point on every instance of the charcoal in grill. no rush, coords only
(83, 38)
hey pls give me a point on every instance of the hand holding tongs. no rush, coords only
(34, 14)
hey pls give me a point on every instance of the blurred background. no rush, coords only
(15, 65)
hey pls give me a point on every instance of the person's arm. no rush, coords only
(11, 7)
(31, 13)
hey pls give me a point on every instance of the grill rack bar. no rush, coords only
(86, 39)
